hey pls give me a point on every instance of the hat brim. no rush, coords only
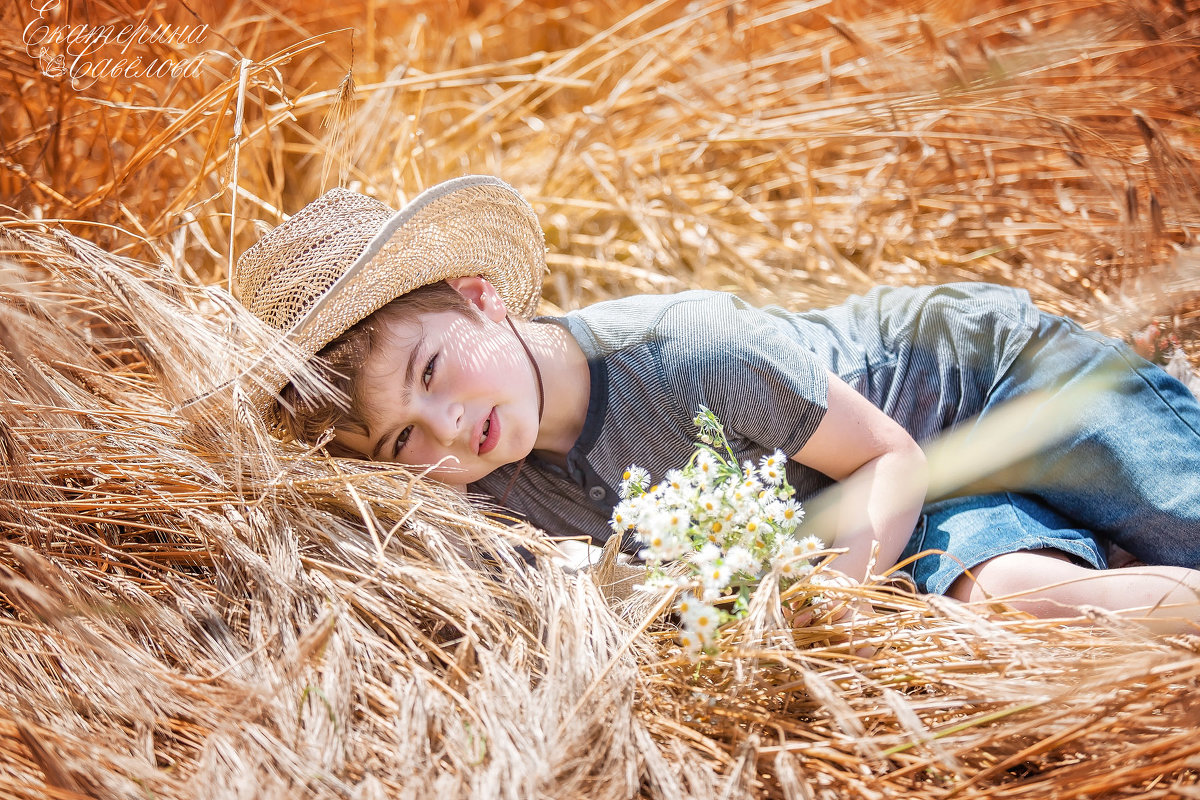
(473, 225)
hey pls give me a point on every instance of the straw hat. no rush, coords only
(345, 256)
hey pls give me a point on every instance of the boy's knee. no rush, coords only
(1013, 573)
(962, 588)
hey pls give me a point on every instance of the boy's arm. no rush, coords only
(883, 480)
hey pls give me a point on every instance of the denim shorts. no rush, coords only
(1125, 471)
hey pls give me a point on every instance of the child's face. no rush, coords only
(450, 392)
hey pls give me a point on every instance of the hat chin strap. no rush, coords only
(537, 372)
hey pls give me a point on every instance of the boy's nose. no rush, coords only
(446, 425)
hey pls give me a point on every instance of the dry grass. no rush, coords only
(190, 609)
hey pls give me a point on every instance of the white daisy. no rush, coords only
(772, 468)
(634, 481)
(742, 560)
(624, 516)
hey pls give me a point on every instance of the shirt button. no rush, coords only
(596, 492)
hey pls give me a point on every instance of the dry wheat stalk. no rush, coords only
(190, 609)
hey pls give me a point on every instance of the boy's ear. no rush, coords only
(480, 293)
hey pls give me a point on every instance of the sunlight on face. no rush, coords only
(452, 394)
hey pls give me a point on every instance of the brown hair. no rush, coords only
(307, 418)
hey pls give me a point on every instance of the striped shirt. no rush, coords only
(926, 356)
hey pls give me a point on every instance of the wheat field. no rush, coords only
(190, 608)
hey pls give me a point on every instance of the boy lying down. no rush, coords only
(422, 318)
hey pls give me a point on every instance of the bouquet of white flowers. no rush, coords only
(730, 524)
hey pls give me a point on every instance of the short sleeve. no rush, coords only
(751, 369)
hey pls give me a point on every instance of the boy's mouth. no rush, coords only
(490, 433)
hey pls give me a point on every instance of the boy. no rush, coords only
(411, 316)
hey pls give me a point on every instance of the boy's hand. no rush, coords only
(843, 610)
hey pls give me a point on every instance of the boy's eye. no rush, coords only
(401, 440)
(426, 379)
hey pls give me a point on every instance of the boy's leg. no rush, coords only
(1131, 470)
(1020, 550)
(1047, 584)
(963, 532)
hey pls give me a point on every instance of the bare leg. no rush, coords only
(1046, 584)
